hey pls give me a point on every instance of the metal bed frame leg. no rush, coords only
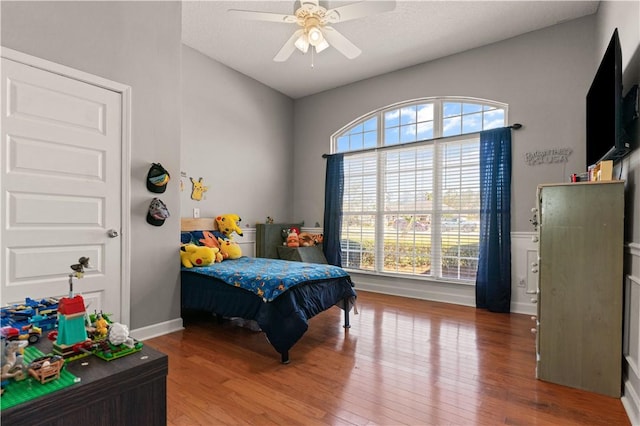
(346, 313)
(285, 357)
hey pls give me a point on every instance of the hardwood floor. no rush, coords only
(404, 361)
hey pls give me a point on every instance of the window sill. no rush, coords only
(411, 277)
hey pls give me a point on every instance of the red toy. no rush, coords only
(28, 332)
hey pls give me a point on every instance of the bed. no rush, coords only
(279, 295)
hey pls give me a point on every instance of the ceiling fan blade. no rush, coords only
(262, 16)
(315, 3)
(288, 48)
(359, 10)
(341, 43)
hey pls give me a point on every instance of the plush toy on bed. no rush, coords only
(192, 255)
(211, 240)
(228, 224)
(229, 249)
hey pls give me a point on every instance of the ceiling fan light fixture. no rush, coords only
(302, 44)
(315, 36)
(312, 19)
(321, 46)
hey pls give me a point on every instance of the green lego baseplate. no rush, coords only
(111, 352)
(17, 392)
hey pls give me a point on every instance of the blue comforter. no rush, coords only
(281, 296)
(267, 278)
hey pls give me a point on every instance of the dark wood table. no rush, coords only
(131, 390)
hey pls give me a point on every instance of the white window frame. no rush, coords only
(438, 141)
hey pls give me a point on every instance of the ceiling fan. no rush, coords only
(314, 30)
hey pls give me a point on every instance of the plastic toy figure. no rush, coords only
(102, 326)
(12, 367)
(46, 368)
(27, 332)
(71, 315)
(83, 262)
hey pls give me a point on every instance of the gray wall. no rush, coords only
(237, 134)
(137, 44)
(543, 76)
(276, 167)
(626, 17)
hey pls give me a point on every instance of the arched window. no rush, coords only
(412, 191)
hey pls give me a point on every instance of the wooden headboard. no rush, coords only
(198, 224)
(188, 224)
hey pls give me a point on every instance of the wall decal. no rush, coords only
(198, 189)
(549, 156)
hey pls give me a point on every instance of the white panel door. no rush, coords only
(61, 185)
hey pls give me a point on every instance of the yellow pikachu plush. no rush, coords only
(192, 255)
(230, 249)
(228, 224)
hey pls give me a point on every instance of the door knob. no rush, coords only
(112, 233)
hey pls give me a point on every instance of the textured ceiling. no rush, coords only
(413, 33)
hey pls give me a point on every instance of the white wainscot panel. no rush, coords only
(631, 364)
(632, 323)
(247, 242)
(524, 272)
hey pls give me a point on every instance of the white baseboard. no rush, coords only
(523, 308)
(436, 292)
(156, 330)
(425, 293)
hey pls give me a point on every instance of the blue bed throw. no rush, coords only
(268, 278)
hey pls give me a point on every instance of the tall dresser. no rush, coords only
(580, 289)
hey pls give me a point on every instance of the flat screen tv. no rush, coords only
(605, 135)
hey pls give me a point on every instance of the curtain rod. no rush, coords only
(514, 126)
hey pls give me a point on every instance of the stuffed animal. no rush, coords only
(228, 224)
(293, 240)
(284, 232)
(230, 249)
(210, 240)
(307, 239)
(192, 255)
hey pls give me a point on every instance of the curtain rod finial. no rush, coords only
(516, 126)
